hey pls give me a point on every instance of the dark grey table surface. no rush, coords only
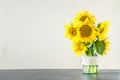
(57, 74)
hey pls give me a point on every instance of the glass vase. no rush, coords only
(90, 64)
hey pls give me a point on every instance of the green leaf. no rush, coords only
(88, 45)
(99, 47)
(94, 49)
(91, 51)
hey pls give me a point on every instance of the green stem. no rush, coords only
(93, 68)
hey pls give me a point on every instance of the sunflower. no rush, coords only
(79, 48)
(84, 16)
(86, 32)
(106, 43)
(70, 32)
(103, 29)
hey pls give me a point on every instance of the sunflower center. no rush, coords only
(101, 30)
(73, 31)
(83, 18)
(86, 31)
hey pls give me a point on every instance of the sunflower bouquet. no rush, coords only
(89, 38)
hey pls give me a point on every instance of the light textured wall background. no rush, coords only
(32, 32)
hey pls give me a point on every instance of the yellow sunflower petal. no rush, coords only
(79, 48)
(106, 47)
(103, 29)
(86, 32)
(82, 16)
(70, 31)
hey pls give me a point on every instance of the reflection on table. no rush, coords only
(89, 76)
